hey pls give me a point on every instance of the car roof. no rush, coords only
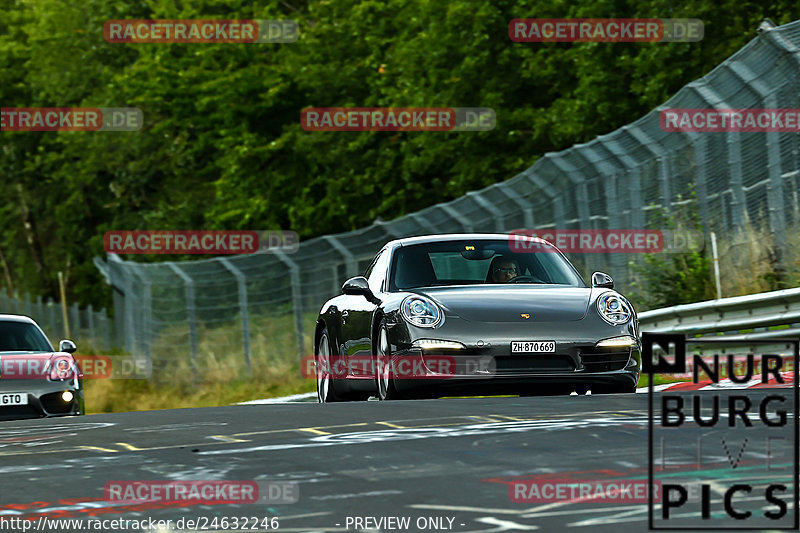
(423, 239)
(17, 318)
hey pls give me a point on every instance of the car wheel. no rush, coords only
(383, 373)
(322, 360)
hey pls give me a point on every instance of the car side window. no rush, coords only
(377, 272)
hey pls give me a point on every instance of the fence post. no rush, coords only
(294, 274)
(487, 205)
(455, 214)
(75, 313)
(51, 318)
(616, 261)
(775, 193)
(241, 282)
(90, 315)
(738, 215)
(349, 258)
(190, 311)
(701, 150)
(39, 310)
(523, 204)
(635, 198)
(146, 333)
(107, 326)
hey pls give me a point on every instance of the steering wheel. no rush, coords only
(517, 279)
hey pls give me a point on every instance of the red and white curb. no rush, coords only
(724, 384)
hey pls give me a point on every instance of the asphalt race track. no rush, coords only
(450, 460)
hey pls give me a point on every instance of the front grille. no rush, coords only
(519, 363)
(604, 361)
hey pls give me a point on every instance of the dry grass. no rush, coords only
(746, 261)
(219, 376)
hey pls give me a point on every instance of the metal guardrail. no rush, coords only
(741, 318)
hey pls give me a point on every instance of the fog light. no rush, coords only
(617, 342)
(433, 344)
(67, 396)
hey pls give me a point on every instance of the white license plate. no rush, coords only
(13, 398)
(533, 346)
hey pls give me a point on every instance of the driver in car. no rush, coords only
(504, 269)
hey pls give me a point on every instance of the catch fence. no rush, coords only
(253, 308)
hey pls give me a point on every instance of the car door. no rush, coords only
(358, 311)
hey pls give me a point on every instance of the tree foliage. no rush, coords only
(222, 146)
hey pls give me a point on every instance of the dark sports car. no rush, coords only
(35, 379)
(474, 314)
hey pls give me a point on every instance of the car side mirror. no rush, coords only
(602, 280)
(67, 346)
(358, 286)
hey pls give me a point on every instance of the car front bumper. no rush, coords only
(44, 398)
(496, 371)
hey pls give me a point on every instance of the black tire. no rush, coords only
(384, 381)
(326, 392)
(326, 385)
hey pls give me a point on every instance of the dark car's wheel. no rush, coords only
(383, 369)
(324, 364)
(326, 390)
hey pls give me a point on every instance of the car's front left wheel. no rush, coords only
(326, 390)
(384, 369)
(324, 365)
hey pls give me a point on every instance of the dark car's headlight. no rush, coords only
(614, 309)
(421, 311)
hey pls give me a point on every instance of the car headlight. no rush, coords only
(421, 311)
(614, 309)
(61, 368)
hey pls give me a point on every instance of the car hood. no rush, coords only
(507, 303)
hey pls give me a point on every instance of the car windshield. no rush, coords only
(478, 262)
(22, 337)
